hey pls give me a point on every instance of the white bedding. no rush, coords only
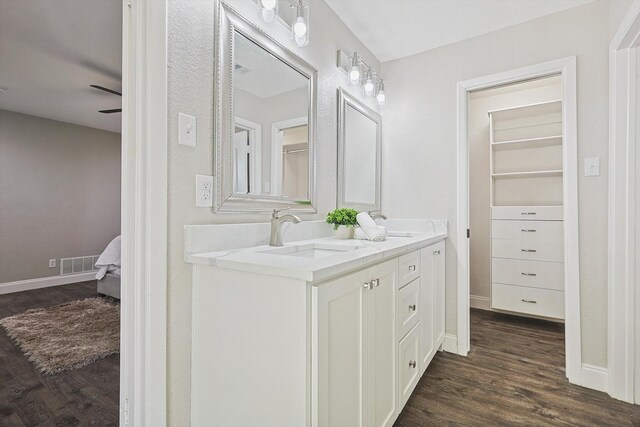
(109, 260)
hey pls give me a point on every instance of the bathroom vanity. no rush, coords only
(320, 331)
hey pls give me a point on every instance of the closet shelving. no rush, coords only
(526, 191)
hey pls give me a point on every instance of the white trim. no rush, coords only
(255, 144)
(450, 344)
(622, 141)
(276, 150)
(45, 282)
(143, 384)
(567, 68)
(594, 377)
(482, 303)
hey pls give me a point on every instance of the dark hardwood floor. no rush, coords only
(85, 396)
(514, 375)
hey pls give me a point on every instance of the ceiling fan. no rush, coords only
(114, 110)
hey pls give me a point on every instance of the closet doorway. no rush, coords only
(517, 195)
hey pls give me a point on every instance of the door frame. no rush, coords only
(566, 67)
(255, 146)
(276, 150)
(143, 329)
(622, 274)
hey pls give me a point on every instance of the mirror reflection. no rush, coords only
(360, 157)
(271, 135)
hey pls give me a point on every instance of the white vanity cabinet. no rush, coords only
(432, 298)
(355, 330)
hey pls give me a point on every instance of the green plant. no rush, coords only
(344, 216)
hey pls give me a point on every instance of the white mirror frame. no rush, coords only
(345, 99)
(227, 23)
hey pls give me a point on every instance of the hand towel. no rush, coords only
(370, 228)
(360, 235)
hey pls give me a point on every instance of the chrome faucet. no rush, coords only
(377, 214)
(277, 222)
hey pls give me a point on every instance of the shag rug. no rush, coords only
(67, 336)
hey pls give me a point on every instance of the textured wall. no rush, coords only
(59, 193)
(420, 133)
(190, 84)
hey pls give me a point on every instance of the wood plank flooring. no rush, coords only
(85, 396)
(514, 375)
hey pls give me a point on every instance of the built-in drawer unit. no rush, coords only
(535, 274)
(527, 231)
(409, 363)
(546, 213)
(409, 267)
(542, 250)
(408, 309)
(528, 300)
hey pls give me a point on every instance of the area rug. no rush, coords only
(67, 336)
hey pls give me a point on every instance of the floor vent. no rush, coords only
(78, 265)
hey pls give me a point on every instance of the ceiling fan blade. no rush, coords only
(115, 110)
(106, 90)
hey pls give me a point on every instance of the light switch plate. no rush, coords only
(592, 166)
(187, 130)
(204, 191)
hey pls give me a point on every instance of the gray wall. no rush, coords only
(59, 193)
(190, 85)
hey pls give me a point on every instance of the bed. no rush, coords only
(108, 274)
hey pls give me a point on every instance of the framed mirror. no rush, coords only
(359, 154)
(265, 121)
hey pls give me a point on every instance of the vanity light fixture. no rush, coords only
(268, 10)
(361, 74)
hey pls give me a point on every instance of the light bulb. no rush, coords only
(354, 72)
(268, 4)
(380, 97)
(368, 86)
(300, 27)
(268, 10)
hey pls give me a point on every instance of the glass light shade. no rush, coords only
(354, 70)
(381, 98)
(268, 10)
(368, 86)
(300, 27)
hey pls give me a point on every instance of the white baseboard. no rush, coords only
(595, 377)
(450, 344)
(45, 282)
(483, 303)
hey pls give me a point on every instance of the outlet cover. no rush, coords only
(187, 130)
(592, 166)
(52, 263)
(204, 191)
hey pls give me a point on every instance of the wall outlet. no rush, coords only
(52, 263)
(187, 134)
(204, 190)
(592, 166)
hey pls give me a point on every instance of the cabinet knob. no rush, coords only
(436, 252)
(367, 285)
(412, 307)
(412, 268)
(529, 301)
(412, 364)
(529, 250)
(529, 274)
(375, 282)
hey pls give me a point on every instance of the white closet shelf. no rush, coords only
(532, 174)
(544, 141)
(528, 110)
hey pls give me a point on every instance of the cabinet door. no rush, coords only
(427, 307)
(439, 292)
(341, 344)
(382, 344)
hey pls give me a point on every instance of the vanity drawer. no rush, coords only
(535, 274)
(542, 250)
(544, 213)
(409, 267)
(408, 358)
(523, 299)
(408, 310)
(527, 230)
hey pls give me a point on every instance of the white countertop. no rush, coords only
(258, 259)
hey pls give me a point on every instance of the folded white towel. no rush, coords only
(360, 235)
(370, 228)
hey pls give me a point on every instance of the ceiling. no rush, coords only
(393, 29)
(51, 51)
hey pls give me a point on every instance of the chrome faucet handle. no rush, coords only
(276, 212)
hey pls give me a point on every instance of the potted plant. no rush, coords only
(344, 222)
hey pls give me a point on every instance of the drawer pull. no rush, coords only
(528, 213)
(524, 230)
(412, 307)
(529, 301)
(412, 364)
(367, 285)
(529, 274)
(412, 268)
(529, 250)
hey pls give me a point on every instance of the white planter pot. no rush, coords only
(345, 232)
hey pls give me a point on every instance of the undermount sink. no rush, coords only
(312, 250)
